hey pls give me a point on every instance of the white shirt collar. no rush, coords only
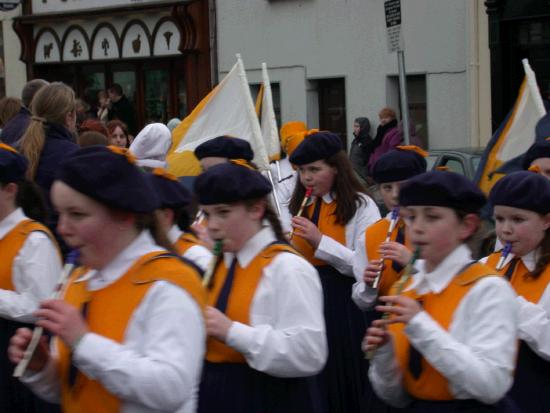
(174, 234)
(8, 223)
(327, 198)
(436, 281)
(529, 259)
(98, 279)
(251, 248)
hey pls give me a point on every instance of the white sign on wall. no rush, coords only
(392, 9)
(47, 49)
(105, 45)
(60, 6)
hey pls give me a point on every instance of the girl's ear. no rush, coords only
(257, 210)
(469, 226)
(546, 221)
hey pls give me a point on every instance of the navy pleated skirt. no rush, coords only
(531, 389)
(237, 388)
(15, 397)
(342, 381)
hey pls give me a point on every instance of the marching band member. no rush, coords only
(174, 219)
(538, 154)
(30, 262)
(521, 203)
(327, 237)
(221, 149)
(377, 260)
(129, 333)
(448, 344)
(265, 318)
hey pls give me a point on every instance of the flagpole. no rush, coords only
(260, 152)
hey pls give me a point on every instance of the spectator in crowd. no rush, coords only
(121, 108)
(151, 145)
(118, 134)
(14, 128)
(92, 138)
(361, 147)
(49, 138)
(388, 123)
(103, 106)
(9, 107)
(172, 123)
(93, 125)
(83, 112)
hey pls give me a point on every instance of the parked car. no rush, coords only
(463, 160)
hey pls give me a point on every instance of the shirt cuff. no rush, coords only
(46, 374)
(240, 337)
(418, 325)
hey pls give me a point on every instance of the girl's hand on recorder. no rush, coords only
(375, 337)
(402, 309)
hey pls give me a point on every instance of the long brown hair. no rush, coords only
(544, 258)
(150, 222)
(271, 217)
(346, 187)
(50, 105)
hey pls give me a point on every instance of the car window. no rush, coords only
(476, 160)
(430, 160)
(454, 165)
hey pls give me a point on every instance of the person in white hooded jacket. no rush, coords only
(151, 145)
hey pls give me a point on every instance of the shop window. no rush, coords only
(156, 95)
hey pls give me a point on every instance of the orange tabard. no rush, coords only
(528, 287)
(431, 385)
(11, 244)
(327, 225)
(186, 241)
(375, 235)
(244, 286)
(109, 311)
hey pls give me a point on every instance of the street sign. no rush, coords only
(393, 25)
(7, 5)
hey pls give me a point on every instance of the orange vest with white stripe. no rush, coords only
(186, 241)
(431, 385)
(375, 235)
(528, 287)
(327, 225)
(109, 311)
(243, 289)
(11, 244)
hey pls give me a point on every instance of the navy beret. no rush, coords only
(171, 192)
(399, 164)
(315, 147)
(13, 165)
(225, 147)
(523, 189)
(226, 183)
(442, 188)
(109, 175)
(537, 150)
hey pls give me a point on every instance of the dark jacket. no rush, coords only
(16, 126)
(124, 111)
(360, 149)
(59, 144)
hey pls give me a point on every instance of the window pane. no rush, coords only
(156, 96)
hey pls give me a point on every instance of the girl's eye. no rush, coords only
(431, 217)
(499, 219)
(518, 220)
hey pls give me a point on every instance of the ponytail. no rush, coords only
(150, 222)
(31, 145)
(544, 260)
(275, 223)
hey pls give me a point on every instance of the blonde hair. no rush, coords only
(51, 104)
(9, 107)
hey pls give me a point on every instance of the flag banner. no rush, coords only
(515, 134)
(227, 110)
(268, 122)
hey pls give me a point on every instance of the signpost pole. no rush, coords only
(392, 10)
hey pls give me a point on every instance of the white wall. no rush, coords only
(15, 69)
(304, 40)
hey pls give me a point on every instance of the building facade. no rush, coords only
(158, 51)
(517, 30)
(330, 63)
